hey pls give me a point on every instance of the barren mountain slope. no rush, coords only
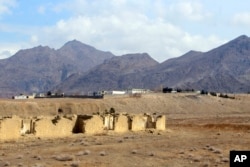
(109, 75)
(39, 69)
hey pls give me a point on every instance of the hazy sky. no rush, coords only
(162, 28)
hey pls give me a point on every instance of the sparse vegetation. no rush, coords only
(20, 164)
(56, 119)
(213, 93)
(63, 157)
(75, 164)
(199, 141)
(136, 95)
(223, 95)
(226, 96)
(167, 90)
(85, 152)
(225, 159)
(19, 156)
(203, 92)
(102, 153)
(112, 110)
(151, 154)
(134, 151)
(6, 163)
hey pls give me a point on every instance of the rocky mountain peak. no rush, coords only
(75, 44)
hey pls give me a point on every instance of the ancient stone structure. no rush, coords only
(14, 127)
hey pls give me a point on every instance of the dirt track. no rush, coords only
(201, 130)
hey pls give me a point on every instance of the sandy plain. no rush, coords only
(201, 130)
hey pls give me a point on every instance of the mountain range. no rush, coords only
(41, 68)
(78, 68)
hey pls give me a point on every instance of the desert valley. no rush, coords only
(124, 83)
(197, 123)
(200, 131)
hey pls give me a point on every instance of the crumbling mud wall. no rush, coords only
(94, 125)
(58, 126)
(139, 122)
(161, 122)
(89, 124)
(109, 122)
(122, 123)
(27, 126)
(10, 128)
(151, 122)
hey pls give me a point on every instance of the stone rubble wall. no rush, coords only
(12, 128)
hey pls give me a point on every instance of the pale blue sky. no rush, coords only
(162, 28)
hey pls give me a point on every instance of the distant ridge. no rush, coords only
(108, 75)
(223, 69)
(41, 68)
(78, 68)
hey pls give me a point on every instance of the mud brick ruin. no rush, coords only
(14, 127)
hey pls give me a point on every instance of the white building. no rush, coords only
(24, 97)
(20, 97)
(117, 92)
(139, 91)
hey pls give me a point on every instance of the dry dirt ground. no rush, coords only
(201, 130)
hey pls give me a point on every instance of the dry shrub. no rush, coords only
(120, 141)
(151, 154)
(225, 159)
(135, 95)
(19, 156)
(64, 157)
(134, 151)
(6, 164)
(217, 151)
(80, 153)
(75, 164)
(197, 159)
(38, 165)
(103, 153)
(85, 152)
(37, 157)
(20, 164)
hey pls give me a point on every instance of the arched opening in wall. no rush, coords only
(80, 125)
(60, 111)
(32, 126)
(129, 123)
(22, 124)
(150, 123)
